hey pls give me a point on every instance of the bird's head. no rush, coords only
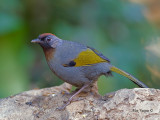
(47, 40)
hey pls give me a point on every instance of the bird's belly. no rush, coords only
(71, 75)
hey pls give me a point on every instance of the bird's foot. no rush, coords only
(68, 102)
(64, 105)
(71, 98)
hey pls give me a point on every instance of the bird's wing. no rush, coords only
(99, 54)
(87, 57)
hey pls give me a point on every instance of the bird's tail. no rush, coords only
(133, 79)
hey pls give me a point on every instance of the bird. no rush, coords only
(76, 63)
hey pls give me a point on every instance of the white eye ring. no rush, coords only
(49, 39)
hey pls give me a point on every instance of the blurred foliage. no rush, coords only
(127, 32)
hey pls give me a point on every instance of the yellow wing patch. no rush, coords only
(87, 58)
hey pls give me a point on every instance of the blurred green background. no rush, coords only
(127, 32)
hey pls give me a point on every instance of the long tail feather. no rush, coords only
(133, 79)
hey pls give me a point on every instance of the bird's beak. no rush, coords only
(36, 41)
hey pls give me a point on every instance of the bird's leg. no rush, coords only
(71, 98)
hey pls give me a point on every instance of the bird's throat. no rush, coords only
(49, 53)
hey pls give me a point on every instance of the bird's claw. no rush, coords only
(63, 106)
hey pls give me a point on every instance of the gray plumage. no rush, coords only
(77, 76)
(61, 57)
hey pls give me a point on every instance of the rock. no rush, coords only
(41, 104)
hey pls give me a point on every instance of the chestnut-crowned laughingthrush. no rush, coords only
(77, 64)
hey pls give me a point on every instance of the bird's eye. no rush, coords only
(48, 39)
